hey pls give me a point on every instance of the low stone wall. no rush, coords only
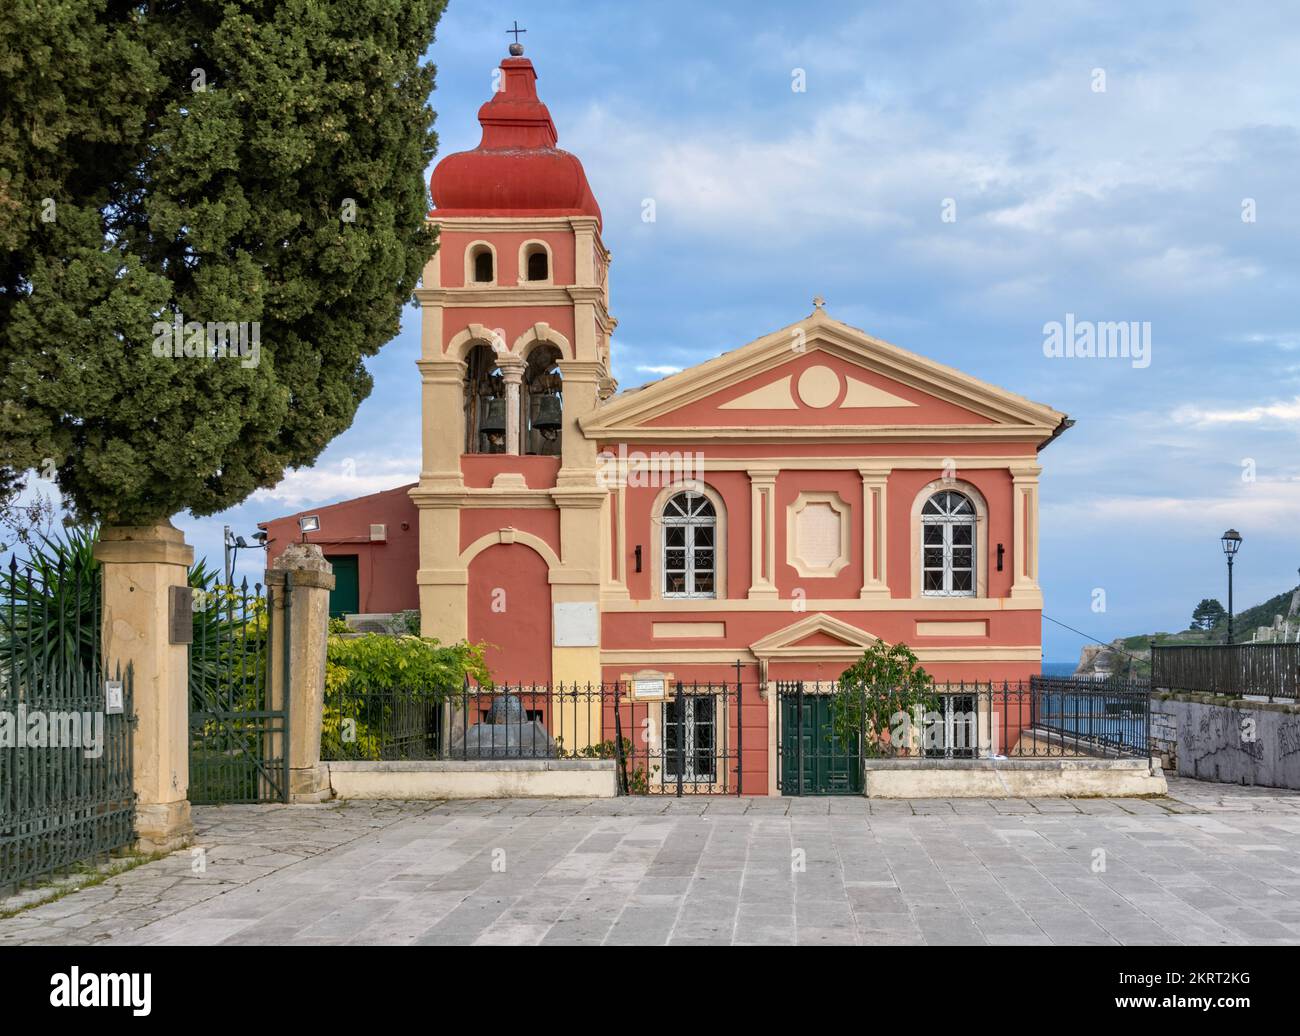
(1232, 740)
(1012, 778)
(475, 779)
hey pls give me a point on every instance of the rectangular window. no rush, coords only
(696, 738)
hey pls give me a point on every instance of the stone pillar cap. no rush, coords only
(307, 564)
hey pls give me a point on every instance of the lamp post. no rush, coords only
(1231, 544)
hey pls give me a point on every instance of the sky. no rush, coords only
(1109, 161)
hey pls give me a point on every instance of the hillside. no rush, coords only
(1130, 657)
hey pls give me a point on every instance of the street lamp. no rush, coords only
(1231, 544)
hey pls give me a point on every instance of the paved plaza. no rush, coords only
(1211, 864)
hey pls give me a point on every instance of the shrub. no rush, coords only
(878, 692)
(366, 677)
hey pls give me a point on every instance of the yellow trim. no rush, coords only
(775, 396)
(687, 630)
(540, 333)
(972, 628)
(1029, 602)
(1015, 414)
(509, 535)
(522, 278)
(784, 642)
(726, 656)
(472, 250)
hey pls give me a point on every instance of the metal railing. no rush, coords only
(66, 792)
(825, 731)
(687, 740)
(1263, 670)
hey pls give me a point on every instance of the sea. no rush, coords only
(1059, 668)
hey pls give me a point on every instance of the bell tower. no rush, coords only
(515, 349)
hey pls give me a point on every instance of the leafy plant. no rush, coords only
(636, 780)
(48, 606)
(368, 678)
(228, 656)
(878, 693)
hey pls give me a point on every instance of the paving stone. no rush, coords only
(1210, 865)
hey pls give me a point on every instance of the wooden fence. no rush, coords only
(1236, 669)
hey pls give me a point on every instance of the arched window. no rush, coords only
(543, 402)
(485, 402)
(482, 266)
(948, 545)
(690, 538)
(539, 267)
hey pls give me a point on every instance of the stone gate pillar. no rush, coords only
(311, 580)
(140, 565)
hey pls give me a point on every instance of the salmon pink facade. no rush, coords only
(765, 516)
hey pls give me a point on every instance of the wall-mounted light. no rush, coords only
(308, 523)
(1002, 551)
(637, 554)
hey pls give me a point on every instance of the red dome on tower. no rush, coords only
(516, 168)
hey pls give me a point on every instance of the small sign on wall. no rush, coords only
(180, 615)
(649, 688)
(576, 624)
(114, 702)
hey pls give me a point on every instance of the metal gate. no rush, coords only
(239, 735)
(688, 742)
(66, 791)
(812, 759)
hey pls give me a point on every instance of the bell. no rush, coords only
(494, 417)
(549, 414)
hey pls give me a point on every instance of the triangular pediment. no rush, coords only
(816, 633)
(821, 378)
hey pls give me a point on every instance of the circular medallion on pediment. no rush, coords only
(819, 387)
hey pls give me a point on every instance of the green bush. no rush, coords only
(366, 676)
(879, 693)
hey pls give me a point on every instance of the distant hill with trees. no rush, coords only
(1130, 657)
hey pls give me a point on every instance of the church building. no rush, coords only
(782, 506)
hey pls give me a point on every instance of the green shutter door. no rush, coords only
(830, 767)
(345, 598)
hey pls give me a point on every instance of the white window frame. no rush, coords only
(948, 522)
(689, 525)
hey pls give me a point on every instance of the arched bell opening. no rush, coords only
(485, 402)
(543, 402)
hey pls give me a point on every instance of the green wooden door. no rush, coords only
(345, 598)
(829, 765)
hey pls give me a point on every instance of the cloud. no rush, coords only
(350, 477)
(1288, 412)
(1264, 506)
(662, 370)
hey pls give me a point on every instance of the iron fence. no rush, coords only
(238, 734)
(1110, 716)
(687, 740)
(1266, 670)
(825, 731)
(66, 792)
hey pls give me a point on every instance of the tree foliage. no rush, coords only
(196, 159)
(1208, 614)
(886, 683)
